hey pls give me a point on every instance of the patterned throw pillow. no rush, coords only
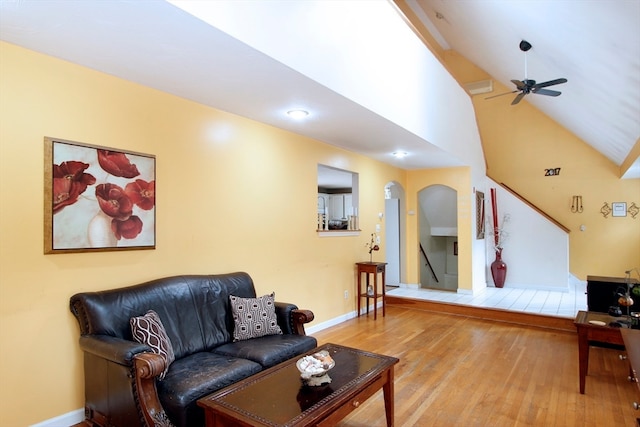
(148, 329)
(254, 317)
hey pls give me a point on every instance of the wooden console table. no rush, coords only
(371, 268)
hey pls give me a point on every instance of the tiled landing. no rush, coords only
(556, 303)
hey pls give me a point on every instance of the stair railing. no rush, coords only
(428, 264)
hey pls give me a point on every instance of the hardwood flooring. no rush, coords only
(462, 371)
(456, 370)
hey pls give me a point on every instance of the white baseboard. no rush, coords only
(329, 323)
(409, 285)
(337, 320)
(535, 287)
(65, 420)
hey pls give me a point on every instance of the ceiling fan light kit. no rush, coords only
(527, 86)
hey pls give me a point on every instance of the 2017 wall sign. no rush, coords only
(97, 198)
(552, 172)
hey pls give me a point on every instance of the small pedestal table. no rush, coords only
(371, 268)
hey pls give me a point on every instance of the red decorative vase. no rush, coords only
(499, 270)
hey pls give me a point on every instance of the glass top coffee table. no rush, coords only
(278, 397)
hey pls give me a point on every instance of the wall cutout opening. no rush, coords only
(337, 210)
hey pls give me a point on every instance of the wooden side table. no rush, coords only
(593, 327)
(371, 268)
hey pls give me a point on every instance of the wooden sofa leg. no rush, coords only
(93, 418)
(147, 367)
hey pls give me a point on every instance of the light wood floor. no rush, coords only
(460, 371)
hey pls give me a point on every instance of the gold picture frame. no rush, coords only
(97, 198)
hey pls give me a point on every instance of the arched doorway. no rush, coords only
(438, 237)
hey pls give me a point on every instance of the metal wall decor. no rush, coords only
(576, 204)
(619, 209)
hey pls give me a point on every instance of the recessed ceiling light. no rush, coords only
(399, 154)
(297, 114)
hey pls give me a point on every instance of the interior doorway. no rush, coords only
(392, 252)
(438, 237)
(394, 233)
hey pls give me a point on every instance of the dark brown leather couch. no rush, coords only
(121, 376)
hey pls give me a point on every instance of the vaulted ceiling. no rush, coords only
(594, 44)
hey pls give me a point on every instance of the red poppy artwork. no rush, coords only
(97, 198)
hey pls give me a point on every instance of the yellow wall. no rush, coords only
(232, 194)
(520, 142)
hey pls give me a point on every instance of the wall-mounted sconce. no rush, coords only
(633, 210)
(576, 204)
(605, 210)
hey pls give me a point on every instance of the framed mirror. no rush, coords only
(337, 207)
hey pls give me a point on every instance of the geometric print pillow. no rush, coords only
(254, 317)
(148, 329)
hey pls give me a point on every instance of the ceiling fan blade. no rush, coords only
(518, 98)
(549, 83)
(520, 85)
(501, 94)
(546, 92)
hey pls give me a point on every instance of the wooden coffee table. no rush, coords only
(277, 396)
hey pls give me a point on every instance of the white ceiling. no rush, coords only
(159, 45)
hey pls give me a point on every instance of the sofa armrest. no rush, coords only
(147, 367)
(300, 317)
(113, 349)
(291, 319)
(144, 365)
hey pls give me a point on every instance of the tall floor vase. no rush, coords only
(499, 270)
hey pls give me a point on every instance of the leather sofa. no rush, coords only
(122, 376)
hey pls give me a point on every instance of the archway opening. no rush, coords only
(438, 237)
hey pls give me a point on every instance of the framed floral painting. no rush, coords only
(97, 198)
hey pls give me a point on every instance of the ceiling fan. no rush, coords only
(527, 86)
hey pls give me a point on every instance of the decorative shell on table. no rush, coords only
(313, 369)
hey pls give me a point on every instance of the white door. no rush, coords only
(392, 250)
